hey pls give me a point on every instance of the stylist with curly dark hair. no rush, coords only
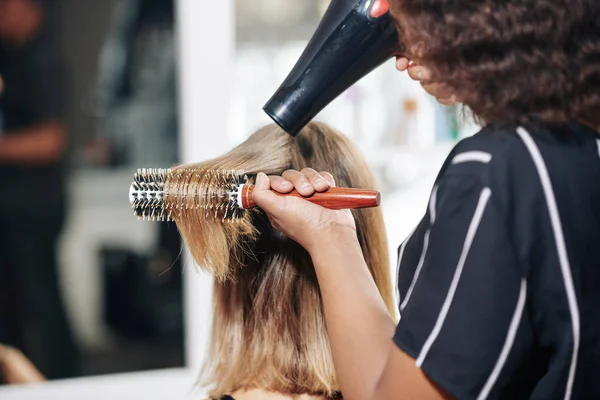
(500, 282)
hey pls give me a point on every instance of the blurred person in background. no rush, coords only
(135, 94)
(136, 98)
(33, 143)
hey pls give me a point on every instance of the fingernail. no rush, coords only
(286, 184)
(306, 186)
(259, 178)
(421, 75)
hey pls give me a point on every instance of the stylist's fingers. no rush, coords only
(281, 185)
(319, 183)
(328, 177)
(300, 182)
(262, 182)
(263, 196)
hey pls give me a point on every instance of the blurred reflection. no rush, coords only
(33, 143)
(16, 368)
(120, 279)
(136, 102)
(139, 304)
(135, 94)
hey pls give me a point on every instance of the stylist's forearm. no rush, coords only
(359, 325)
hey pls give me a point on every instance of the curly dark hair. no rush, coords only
(510, 61)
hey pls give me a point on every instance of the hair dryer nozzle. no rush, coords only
(354, 38)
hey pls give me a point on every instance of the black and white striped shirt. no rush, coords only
(499, 284)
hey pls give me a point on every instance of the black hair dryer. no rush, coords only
(354, 38)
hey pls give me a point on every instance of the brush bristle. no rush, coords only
(147, 194)
(162, 194)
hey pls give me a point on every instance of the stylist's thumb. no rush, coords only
(264, 196)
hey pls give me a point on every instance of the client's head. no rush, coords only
(268, 328)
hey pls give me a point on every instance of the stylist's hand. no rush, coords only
(423, 76)
(308, 224)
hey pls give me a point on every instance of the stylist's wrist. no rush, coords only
(331, 237)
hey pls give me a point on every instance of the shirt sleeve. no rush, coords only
(462, 293)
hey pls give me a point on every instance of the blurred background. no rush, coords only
(105, 293)
(90, 95)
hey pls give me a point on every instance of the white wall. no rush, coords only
(164, 384)
(206, 51)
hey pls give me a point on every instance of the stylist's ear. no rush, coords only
(1, 86)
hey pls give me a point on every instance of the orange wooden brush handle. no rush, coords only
(335, 198)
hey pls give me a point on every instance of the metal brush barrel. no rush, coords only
(146, 194)
(167, 194)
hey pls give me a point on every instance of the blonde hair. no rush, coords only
(268, 327)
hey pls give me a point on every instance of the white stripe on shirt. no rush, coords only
(486, 193)
(598, 141)
(400, 255)
(508, 344)
(432, 204)
(561, 249)
(477, 156)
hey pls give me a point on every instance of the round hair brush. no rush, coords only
(161, 194)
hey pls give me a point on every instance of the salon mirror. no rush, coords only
(119, 304)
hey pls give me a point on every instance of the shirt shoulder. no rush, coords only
(496, 158)
(490, 150)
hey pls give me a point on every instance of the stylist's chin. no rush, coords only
(309, 225)
(421, 74)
